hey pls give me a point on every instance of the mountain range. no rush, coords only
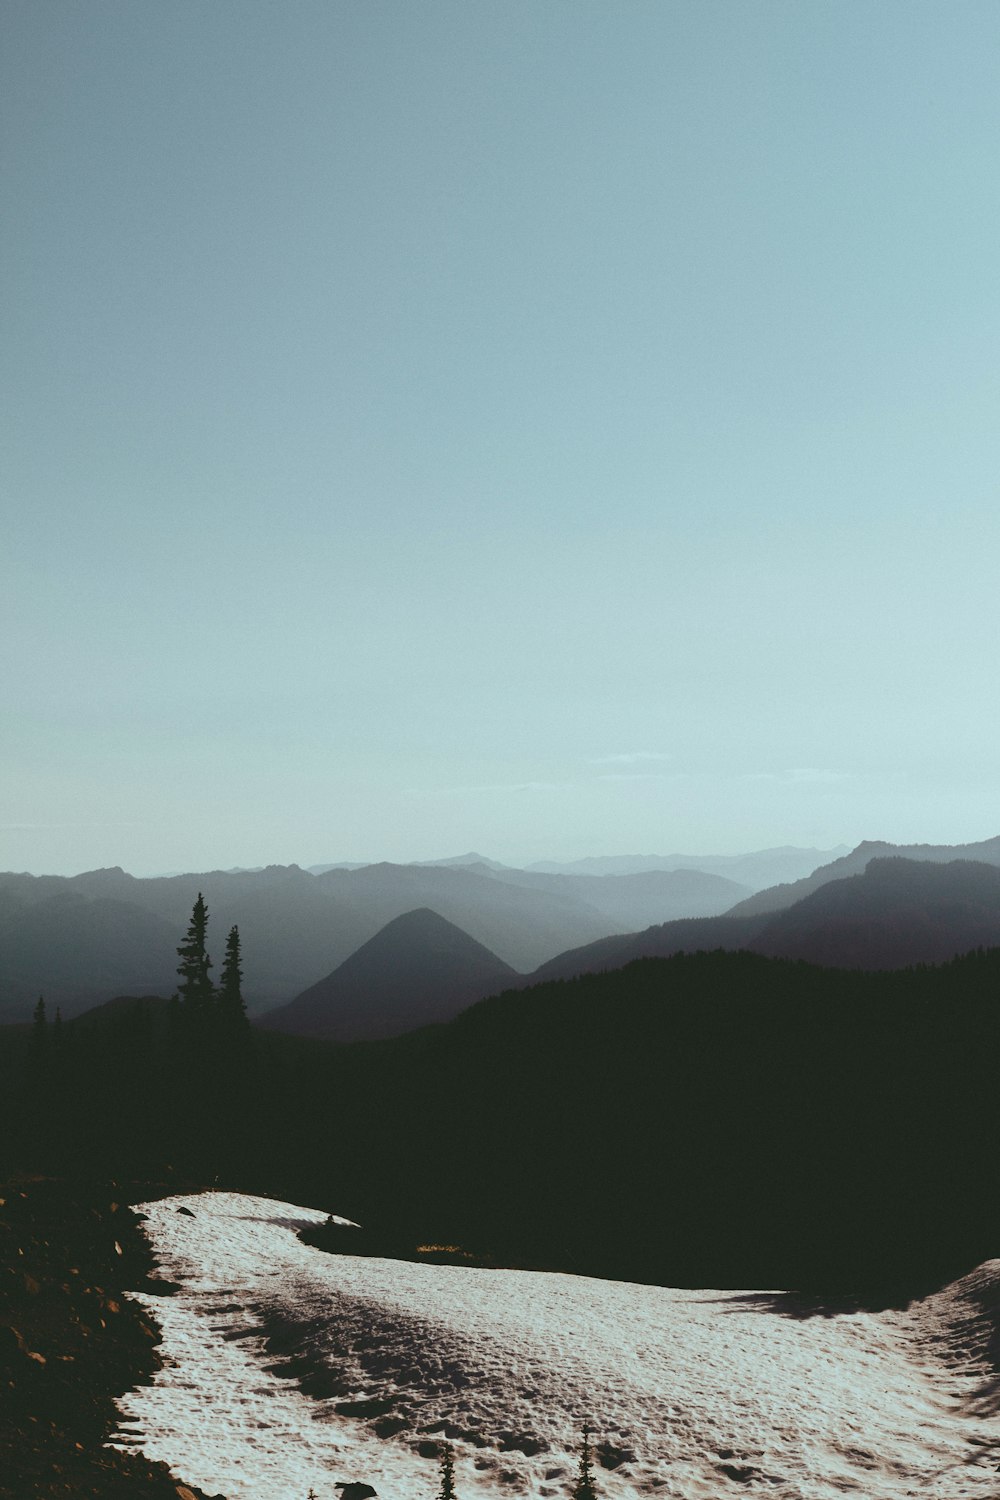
(893, 913)
(81, 940)
(780, 896)
(765, 867)
(896, 912)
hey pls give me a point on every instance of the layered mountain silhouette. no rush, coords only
(778, 897)
(419, 969)
(897, 912)
(57, 939)
(81, 940)
(657, 894)
(763, 868)
(79, 948)
(894, 913)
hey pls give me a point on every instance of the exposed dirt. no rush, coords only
(70, 1340)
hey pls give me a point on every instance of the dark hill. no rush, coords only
(145, 1014)
(897, 912)
(708, 1119)
(417, 970)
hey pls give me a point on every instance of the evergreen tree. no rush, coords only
(232, 1007)
(195, 989)
(584, 1487)
(447, 1489)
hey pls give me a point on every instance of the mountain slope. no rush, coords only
(897, 912)
(893, 913)
(77, 951)
(634, 899)
(695, 935)
(778, 897)
(418, 969)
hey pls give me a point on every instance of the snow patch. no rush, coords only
(289, 1368)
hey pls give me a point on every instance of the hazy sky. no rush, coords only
(546, 428)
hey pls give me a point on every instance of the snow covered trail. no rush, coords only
(699, 1393)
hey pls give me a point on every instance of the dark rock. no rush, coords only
(185, 1211)
(387, 1427)
(610, 1457)
(355, 1491)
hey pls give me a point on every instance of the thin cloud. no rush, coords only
(632, 776)
(630, 758)
(490, 786)
(799, 776)
(34, 827)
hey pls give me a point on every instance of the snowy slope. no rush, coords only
(706, 1393)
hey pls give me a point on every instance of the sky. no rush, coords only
(541, 428)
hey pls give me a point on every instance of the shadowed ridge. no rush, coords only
(779, 897)
(893, 913)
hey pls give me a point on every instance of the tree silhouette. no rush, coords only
(195, 988)
(584, 1487)
(232, 1008)
(447, 1489)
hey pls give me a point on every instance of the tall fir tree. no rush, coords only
(584, 1487)
(447, 1465)
(232, 1007)
(196, 991)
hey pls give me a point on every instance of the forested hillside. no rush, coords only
(709, 1119)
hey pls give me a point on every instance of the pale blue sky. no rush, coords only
(547, 428)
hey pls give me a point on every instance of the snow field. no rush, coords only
(699, 1393)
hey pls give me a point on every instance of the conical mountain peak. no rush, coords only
(418, 969)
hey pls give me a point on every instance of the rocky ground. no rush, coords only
(70, 1340)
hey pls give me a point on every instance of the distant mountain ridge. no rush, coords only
(82, 940)
(419, 969)
(778, 897)
(764, 867)
(894, 913)
(56, 938)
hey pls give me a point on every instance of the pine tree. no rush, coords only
(584, 1487)
(447, 1490)
(195, 989)
(232, 1008)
